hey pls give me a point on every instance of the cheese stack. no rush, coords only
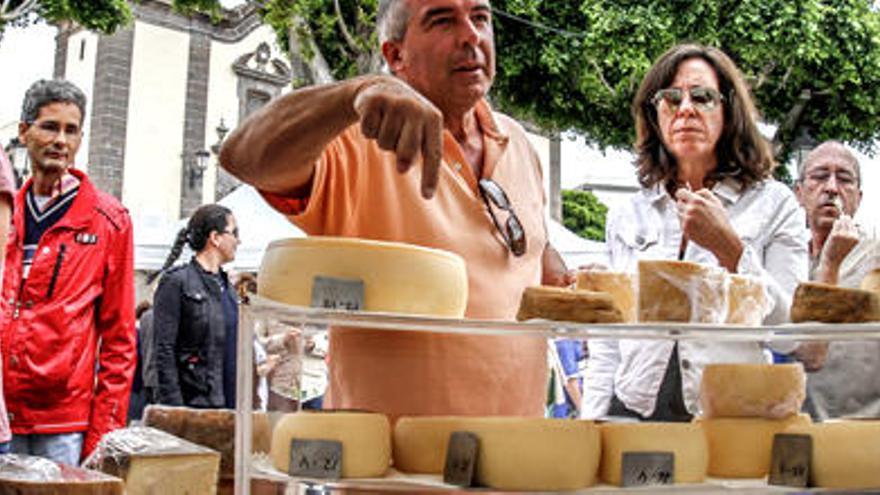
(685, 441)
(621, 286)
(846, 454)
(744, 406)
(682, 291)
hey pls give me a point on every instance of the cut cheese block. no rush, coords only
(621, 286)
(742, 447)
(871, 282)
(685, 441)
(212, 428)
(752, 390)
(31, 475)
(151, 461)
(825, 303)
(846, 454)
(682, 291)
(365, 438)
(534, 454)
(561, 304)
(397, 278)
(747, 301)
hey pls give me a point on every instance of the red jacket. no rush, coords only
(52, 332)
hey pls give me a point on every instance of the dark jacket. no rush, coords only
(189, 333)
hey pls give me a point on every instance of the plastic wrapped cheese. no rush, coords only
(752, 390)
(682, 291)
(621, 286)
(514, 453)
(151, 461)
(685, 441)
(871, 282)
(31, 475)
(397, 278)
(365, 438)
(814, 301)
(846, 454)
(562, 304)
(748, 301)
(742, 447)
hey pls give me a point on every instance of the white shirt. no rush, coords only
(770, 223)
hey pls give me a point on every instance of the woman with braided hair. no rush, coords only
(195, 315)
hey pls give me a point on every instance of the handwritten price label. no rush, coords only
(647, 468)
(791, 460)
(316, 459)
(461, 458)
(337, 293)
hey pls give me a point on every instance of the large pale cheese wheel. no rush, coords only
(514, 453)
(562, 304)
(32, 475)
(685, 441)
(846, 454)
(621, 286)
(814, 301)
(752, 390)
(682, 291)
(397, 278)
(747, 301)
(365, 437)
(742, 447)
(871, 281)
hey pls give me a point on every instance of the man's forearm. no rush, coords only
(277, 147)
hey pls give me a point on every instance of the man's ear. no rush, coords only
(22, 132)
(393, 54)
(799, 193)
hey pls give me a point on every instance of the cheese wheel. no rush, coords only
(562, 304)
(814, 301)
(846, 454)
(682, 291)
(514, 453)
(621, 287)
(752, 390)
(397, 278)
(742, 447)
(365, 437)
(685, 441)
(747, 301)
(871, 282)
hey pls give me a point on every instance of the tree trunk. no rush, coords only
(307, 71)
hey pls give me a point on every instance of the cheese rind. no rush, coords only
(742, 447)
(741, 390)
(682, 291)
(31, 475)
(686, 441)
(514, 453)
(814, 301)
(365, 438)
(397, 278)
(561, 304)
(621, 286)
(846, 454)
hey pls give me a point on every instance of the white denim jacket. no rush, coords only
(770, 223)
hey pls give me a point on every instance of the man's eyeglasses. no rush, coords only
(513, 233)
(233, 232)
(843, 178)
(702, 98)
(52, 129)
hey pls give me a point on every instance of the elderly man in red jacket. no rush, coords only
(68, 294)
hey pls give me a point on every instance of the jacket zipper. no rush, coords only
(56, 269)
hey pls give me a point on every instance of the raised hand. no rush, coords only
(704, 221)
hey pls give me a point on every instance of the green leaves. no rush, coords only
(584, 214)
(104, 16)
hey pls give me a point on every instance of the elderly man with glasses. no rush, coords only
(418, 157)
(843, 375)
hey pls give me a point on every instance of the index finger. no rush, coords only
(432, 155)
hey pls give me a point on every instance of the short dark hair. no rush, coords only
(47, 91)
(741, 150)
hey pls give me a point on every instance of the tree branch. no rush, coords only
(349, 40)
(602, 76)
(790, 123)
(25, 7)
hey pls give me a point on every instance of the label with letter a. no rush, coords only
(337, 293)
(316, 459)
(647, 468)
(791, 459)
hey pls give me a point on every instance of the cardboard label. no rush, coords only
(337, 293)
(316, 459)
(461, 459)
(647, 468)
(791, 460)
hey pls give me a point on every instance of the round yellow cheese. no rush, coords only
(747, 301)
(621, 286)
(752, 390)
(742, 447)
(514, 453)
(365, 437)
(846, 454)
(672, 290)
(397, 278)
(685, 441)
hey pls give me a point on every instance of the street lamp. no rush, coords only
(197, 164)
(21, 161)
(222, 130)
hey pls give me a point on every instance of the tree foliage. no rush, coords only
(584, 214)
(104, 16)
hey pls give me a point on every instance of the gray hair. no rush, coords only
(392, 17)
(835, 148)
(45, 92)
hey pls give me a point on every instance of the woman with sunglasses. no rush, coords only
(195, 316)
(707, 197)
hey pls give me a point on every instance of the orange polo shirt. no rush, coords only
(357, 192)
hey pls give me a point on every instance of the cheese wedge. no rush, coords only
(31, 475)
(825, 303)
(562, 304)
(621, 286)
(682, 291)
(747, 301)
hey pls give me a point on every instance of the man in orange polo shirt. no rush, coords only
(418, 158)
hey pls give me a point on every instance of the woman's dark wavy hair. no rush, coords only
(741, 150)
(207, 219)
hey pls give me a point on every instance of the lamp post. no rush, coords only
(198, 163)
(21, 161)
